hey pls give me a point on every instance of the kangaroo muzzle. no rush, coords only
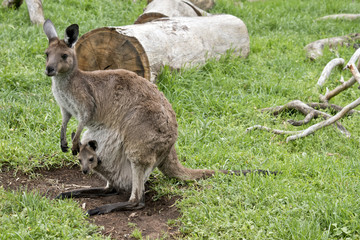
(50, 71)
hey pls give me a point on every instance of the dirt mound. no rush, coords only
(151, 221)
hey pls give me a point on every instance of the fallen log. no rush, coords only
(176, 42)
(315, 49)
(203, 4)
(169, 8)
(341, 16)
(35, 10)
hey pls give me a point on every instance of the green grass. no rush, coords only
(25, 215)
(315, 197)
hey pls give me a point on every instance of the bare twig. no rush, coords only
(276, 131)
(328, 68)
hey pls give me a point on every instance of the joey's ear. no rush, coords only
(71, 35)
(93, 144)
(72, 135)
(50, 30)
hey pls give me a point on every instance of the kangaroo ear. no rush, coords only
(93, 144)
(71, 35)
(50, 30)
(72, 135)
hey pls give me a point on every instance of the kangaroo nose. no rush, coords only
(50, 71)
(85, 171)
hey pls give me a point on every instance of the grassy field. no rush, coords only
(315, 197)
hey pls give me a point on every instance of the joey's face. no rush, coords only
(88, 158)
(59, 58)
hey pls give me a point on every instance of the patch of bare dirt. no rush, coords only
(151, 221)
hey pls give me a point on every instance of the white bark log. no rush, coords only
(203, 4)
(176, 42)
(328, 68)
(169, 8)
(35, 11)
(315, 49)
(341, 16)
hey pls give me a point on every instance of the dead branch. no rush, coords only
(307, 110)
(276, 131)
(330, 94)
(327, 122)
(353, 59)
(345, 85)
(334, 107)
(341, 16)
(328, 68)
(315, 49)
(310, 109)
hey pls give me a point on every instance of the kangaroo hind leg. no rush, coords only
(136, 201)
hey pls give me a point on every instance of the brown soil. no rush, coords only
(152, 221)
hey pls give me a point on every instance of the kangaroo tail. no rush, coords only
(172, 167)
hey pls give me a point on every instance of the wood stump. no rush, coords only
(176, 42)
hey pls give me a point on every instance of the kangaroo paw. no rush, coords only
(75, 150)
(64, 148)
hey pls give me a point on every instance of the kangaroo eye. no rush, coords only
(79, 160)
(47, 55)
(91, 159)
(64, 56)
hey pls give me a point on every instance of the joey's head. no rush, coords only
(87, 156)
(60, 54)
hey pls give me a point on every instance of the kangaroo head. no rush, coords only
(87, 156)
(60, 55)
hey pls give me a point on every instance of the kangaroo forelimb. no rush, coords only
(65, 120)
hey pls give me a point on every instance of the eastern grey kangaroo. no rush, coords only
(131, 120)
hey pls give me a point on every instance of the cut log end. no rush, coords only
(99, 50)
(148, 17)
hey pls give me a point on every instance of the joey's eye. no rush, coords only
(64, 56)
(47, 55)
(91, 159)
(79, 160)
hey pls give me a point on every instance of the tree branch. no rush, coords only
(328, 68)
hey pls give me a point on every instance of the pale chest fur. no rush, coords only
(115, 167)
(65, 99)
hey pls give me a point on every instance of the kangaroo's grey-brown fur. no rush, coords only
(131, 120)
